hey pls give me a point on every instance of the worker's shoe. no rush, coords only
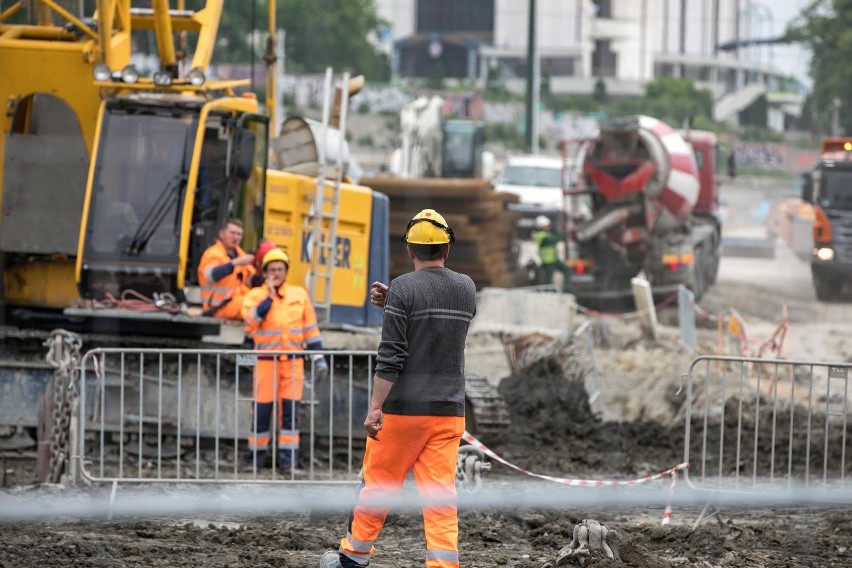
(254, 461)
(332, 560)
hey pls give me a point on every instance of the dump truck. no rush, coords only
(827, 189)
(645, 202)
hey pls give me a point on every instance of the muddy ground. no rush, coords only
(554, 432)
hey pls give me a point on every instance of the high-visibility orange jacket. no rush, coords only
(223, 285)
(285, 321)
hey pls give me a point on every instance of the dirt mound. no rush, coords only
(554, 430)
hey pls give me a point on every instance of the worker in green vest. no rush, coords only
(546, 240)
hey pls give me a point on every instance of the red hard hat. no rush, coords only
(264, 247)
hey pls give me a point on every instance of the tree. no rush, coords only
(825, 26)
(320, 33)
(676, 100)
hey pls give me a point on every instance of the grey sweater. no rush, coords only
(427, 314)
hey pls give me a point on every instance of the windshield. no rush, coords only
(138, 186)
(458, 154)
(836, 190)
(533, 175)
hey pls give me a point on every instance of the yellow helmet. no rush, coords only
(275, 254)
(428, 228)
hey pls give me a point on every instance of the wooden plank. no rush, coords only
(429, 188)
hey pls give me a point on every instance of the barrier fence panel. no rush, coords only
(754, 424)
(686, 318)
(585, 365)
(173, 415)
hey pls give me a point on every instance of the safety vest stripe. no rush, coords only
(359, 545)
(300, 330)
(253, 317)
(215, 289)
(445, 555)
(268, 345)
(267, 332)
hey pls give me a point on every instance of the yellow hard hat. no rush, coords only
(275, 254)
(428, 228)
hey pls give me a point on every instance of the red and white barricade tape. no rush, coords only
(470, 439)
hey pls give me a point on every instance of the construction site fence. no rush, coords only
(585, 365)
(756, 424)
(175, 415)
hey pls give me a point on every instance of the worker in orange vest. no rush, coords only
(224, 273)
(280, 317)
(416, 415)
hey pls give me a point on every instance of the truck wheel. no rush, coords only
(826, 288)
(713, 271)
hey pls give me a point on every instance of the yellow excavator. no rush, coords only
(113, 183)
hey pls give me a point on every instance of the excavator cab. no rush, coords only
(463, 143)
(164, 178)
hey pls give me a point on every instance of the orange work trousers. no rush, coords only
(231, 309)
(429, 445)
(279, 378)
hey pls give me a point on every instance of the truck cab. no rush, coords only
(828, 187)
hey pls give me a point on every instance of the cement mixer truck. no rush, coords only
(645, 201)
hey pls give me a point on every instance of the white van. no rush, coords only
(538, 181)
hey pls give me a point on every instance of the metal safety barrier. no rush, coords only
(756, 424)
(585, 365)
(177, 415)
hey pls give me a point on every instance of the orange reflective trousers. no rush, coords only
(429, 445)
(281, 378)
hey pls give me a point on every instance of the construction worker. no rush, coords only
(546, 240)
(224, 272)
(416, 414)
(280, 317)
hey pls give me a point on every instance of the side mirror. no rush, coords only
(807, 187)
(242, 154)
(732, 165)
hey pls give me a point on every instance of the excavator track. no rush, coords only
(486, 413)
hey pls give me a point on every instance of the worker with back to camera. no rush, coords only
(224, 272)
(546, 240)
(280, 317)
(416, 416)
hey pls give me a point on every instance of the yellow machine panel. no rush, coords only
(289, 199)
(44, 284)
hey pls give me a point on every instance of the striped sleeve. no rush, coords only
(393, 349)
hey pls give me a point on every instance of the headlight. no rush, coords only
(162, 79)
(825, 253)
(129, 74)
(101, 72)
(195, 77)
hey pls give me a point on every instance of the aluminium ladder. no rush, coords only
(324, 250)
